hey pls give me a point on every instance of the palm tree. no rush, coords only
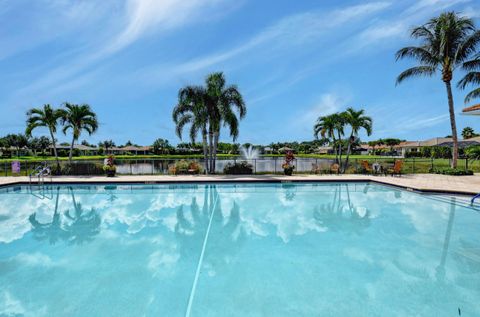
(44, 117)
(191, 109)
(326, 127)
(206, 109)
(357, 121)
(468, 133)
(107, 144)
(223, 103)
(78, 118)
(446, 42)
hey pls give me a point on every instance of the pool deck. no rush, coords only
(419, 182)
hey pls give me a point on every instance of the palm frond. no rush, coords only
(474, 94)
(417, 71)
(419, 53)
(472, 78)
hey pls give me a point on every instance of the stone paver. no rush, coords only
(422, 182)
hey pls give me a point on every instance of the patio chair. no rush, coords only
(334, 168)
(396, 169)
(366, 167)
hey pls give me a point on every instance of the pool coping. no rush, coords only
(149, 180)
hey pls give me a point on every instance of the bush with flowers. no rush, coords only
(287, 165)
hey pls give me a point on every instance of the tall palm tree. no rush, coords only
(44, 117)
(206, 109)
(78, 118)
(191, 109)
(446, 42)
(223, 103)
(357, 121)
(473, 76)
(326, 127)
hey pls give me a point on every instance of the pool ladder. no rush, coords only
(41, 171)
(474, 197)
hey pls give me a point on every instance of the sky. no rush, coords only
(293, 61)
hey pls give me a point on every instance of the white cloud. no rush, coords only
(329, 103)
(420, 122)
(141, 17)
(147, 16)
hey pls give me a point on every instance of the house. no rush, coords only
(84, 150)
(136, 150)
(415, 146)
(323, 150)
(472, 110)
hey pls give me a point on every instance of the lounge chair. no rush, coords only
(366, 168)
(334, 168)
(396, 169)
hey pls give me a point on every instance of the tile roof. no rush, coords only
(472, 108)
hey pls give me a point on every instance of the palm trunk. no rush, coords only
(335, 149)
(71, 150)
(55, 149)
(205, 149)
(215, 145)
(349, 149)
(340, 145)
(453, 124)
(210, 150)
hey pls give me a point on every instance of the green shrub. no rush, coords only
(183, 167)
(451, 171)
(240, 168)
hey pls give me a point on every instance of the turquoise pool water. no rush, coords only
(325, 249)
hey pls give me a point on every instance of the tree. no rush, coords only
(223, 104)
(86, 143)
(78, 118)
(391, 142)
(161, 146)
(39, 144)
(192, 109)
(106, 145)
(206, 109)
(326, 127)
(446, 42)
(357, 121)
(468, 133)
(44, 117)
(16, 141)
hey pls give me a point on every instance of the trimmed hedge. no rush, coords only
(240, 168)
(451, 171)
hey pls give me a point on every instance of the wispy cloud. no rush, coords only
(407, 125)
(328, 103)
(383, 31)
(140, 18)
(148, 16)
(292, 33)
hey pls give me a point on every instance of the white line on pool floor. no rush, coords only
(200, 260)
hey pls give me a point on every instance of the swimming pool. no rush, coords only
(244, 249)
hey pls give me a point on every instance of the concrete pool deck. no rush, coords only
(420, 182)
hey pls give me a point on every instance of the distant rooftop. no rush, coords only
(475, 109)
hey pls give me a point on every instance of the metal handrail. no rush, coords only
(473, 198)
(41, 171)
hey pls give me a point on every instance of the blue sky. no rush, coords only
(292, 60)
